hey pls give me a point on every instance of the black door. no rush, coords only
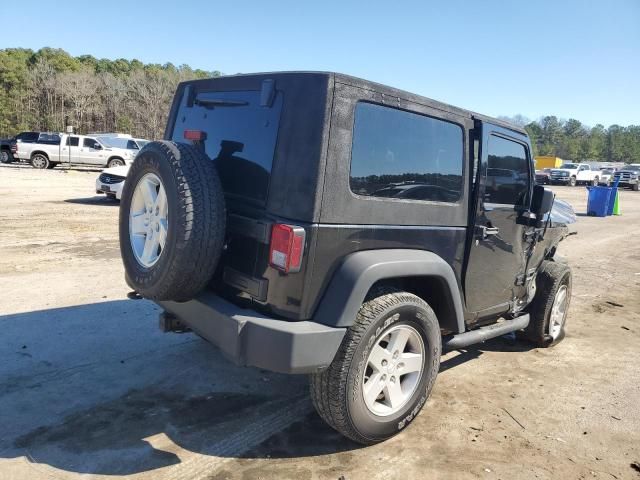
(498, 247)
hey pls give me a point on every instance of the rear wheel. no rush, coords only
(635, 187)
(40, 161)
(5, 157)
(384, 371)
(115, 162)
(595, 182)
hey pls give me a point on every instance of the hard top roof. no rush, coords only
(385, 90)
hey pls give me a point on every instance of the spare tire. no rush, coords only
(172, 221)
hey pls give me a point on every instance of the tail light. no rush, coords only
(195, 135)
(13, 147)
(287, 247)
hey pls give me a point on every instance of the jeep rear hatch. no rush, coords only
(238, 131)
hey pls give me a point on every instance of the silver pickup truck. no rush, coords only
(73, 149)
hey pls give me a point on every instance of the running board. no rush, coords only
(485, 333)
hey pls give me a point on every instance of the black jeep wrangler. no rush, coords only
(318, 223)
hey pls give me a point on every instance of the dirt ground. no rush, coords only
(89, 386)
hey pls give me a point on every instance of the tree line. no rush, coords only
(572, 140)
(49, 89)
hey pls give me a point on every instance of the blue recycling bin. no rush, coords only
(598, 201)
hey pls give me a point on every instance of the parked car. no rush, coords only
(629, 176)
(606, 175)
(111, 180)
(128, 143)
(244, 225)
(543, 176)
(72, 149)
(573, 174)
(8, 146)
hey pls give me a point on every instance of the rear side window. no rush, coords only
(73, 141)
(240, 137)
(27, 137)
(507, 179)
(49, 138)
(404, 155)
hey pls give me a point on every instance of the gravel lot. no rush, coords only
(88, 384)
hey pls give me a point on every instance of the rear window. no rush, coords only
(240, 137)
(404, 155)
(49, 138)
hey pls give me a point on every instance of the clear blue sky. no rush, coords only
(570, 58)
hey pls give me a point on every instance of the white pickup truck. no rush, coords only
(74, 149)
(574, 173)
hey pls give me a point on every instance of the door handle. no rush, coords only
(488, 231)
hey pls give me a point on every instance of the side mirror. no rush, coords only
(542, 200)
(97, 146)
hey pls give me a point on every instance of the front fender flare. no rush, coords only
(361, 270)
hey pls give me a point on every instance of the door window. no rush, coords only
(73, 141)
(90, 142)
(507, 180)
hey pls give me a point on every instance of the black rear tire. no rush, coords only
(5, 156)
(337, 393)
(551, 277)
(635, 187)
(40, 161)
(196, 222)
(115, 162)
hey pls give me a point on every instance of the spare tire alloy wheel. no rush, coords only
(4, 157)
(148, 220)
(172, 221)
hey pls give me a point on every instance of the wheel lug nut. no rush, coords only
(396, 354)
(393, 379)
(384, 378)
(384, 363)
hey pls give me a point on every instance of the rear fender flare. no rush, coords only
(361, 270)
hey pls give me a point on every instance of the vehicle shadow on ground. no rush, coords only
(139, 401)
(97, 200)
(506, 343)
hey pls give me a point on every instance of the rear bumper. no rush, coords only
(251, 339)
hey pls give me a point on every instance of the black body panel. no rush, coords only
(309, 186)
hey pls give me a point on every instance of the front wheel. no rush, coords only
(595, 182)
(384, 370)
(40, 161)
(635, 187)
(573, 182)
(549, 308)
